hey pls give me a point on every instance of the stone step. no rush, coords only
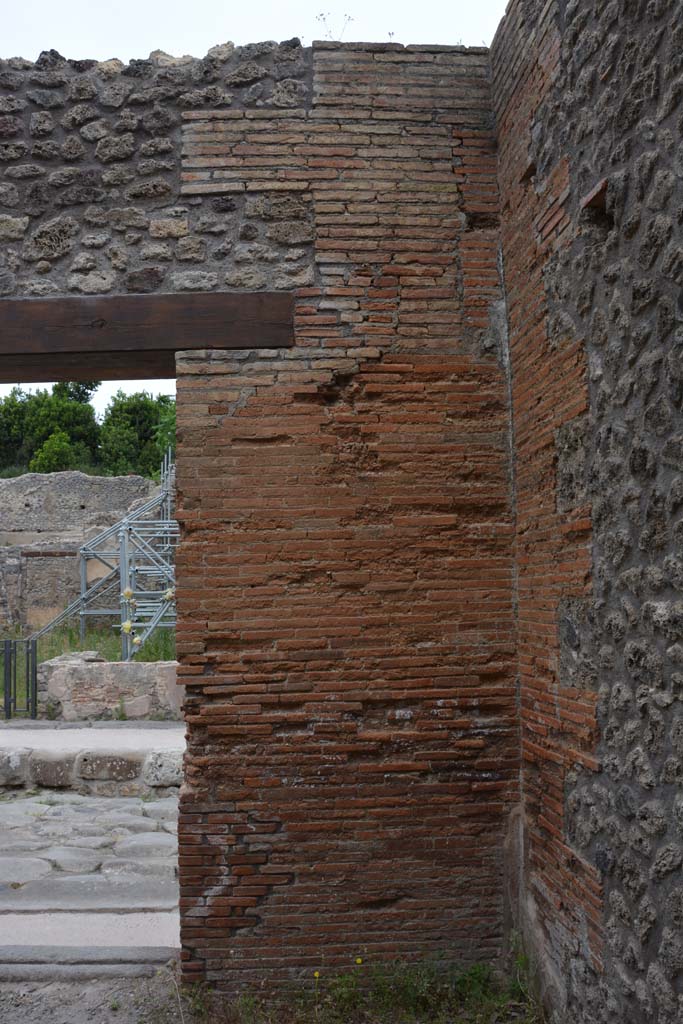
(67, 933)
(24, 963)
(114, 893)
(115, 760)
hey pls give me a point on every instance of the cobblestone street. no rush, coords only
(88, 871)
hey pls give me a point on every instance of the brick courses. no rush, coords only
(588, 103)
(346, 629)
(561, 895)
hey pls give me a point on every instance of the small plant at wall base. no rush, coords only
(420, 993)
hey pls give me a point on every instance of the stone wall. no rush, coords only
(44, 518)
(77, 687)
(558, 906)
(90, 198)
(590, 119)
(52, 506)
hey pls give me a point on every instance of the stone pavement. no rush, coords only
(87, 871)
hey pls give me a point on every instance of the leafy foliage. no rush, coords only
(78, 391)
(49, 413)
(57, 453)
(49, 431)
(12, 419)
(128, 436)
(166, 427)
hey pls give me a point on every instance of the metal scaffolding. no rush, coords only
(138, 554)
(138, 585)
(137, 588)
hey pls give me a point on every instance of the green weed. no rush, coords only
(66, 640)
(429, 992)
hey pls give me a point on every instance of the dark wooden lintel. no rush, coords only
(133, 336)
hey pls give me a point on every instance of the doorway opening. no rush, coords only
(89, 851)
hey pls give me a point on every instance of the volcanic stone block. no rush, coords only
(54, 771)
(163, 768)
(111, 767)
(14, 767)
(12, 228)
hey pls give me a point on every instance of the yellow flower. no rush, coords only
(127, 593)
(359, 959)
(316, 974)
(126, 626)
(137, 641)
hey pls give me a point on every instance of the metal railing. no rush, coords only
(19, 674)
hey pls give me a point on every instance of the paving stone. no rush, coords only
(152, 844)
(61, 851)
(155, 866)
(73, 858)
(49, 799)
(61, 893)
(19, 843)
(18, 870)
(166, 809)
(129, 822)
(90, 842)
(12, 815)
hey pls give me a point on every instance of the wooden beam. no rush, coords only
(133, 336)
(87, 366)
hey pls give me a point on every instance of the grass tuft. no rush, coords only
(66, 640)
(422, 993)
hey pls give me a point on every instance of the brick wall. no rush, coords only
(346, 623)
(560, 899)
(588, 101)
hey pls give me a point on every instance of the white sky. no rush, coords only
(133, 28)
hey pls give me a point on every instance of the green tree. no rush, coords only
(119, 449)
(57, 453)
(77, 390)
(166, 427)
(12, 419)
(134, 434)
(28, 420)
(46, 413)
(129, 435)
